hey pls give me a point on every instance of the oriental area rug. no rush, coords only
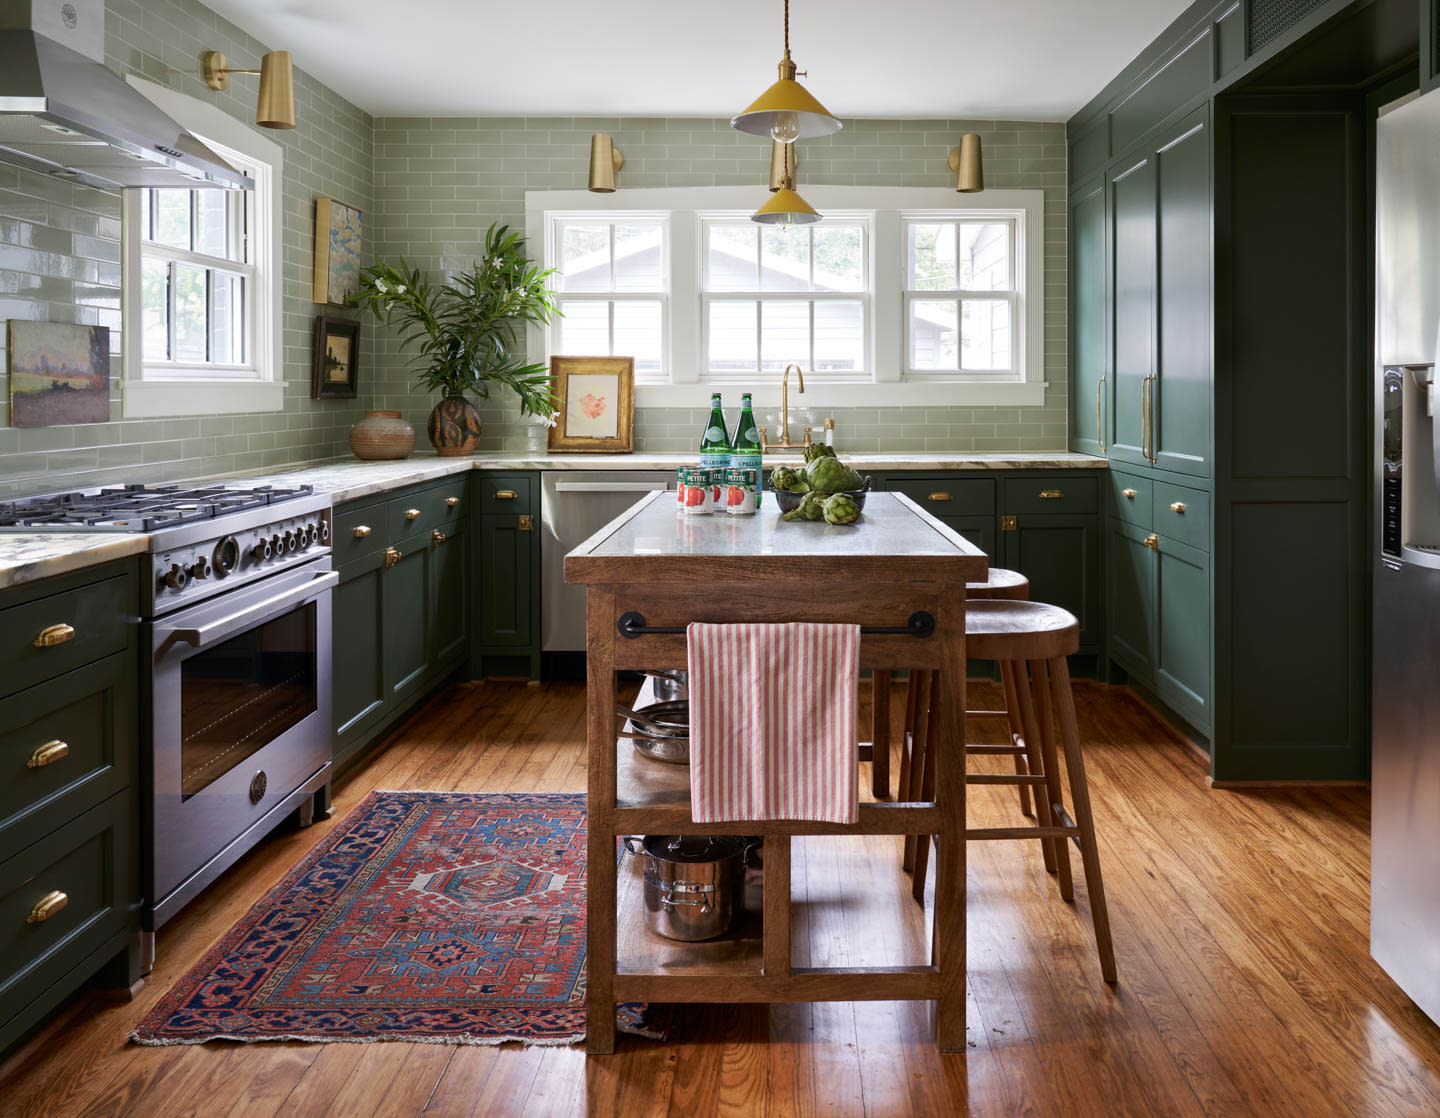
(439, 917)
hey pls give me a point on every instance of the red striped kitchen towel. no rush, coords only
(773, 720)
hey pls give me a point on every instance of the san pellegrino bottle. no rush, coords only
(715, 443)
(746, 451)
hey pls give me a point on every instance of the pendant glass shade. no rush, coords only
(605, 161)
(968, 165)
(785, 208)
(786, 112)
(784, 162)
(276, 105)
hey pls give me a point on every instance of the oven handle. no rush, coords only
(223, 627)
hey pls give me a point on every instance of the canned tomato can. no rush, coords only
(680, 487)
(741, 490)
(698, 483)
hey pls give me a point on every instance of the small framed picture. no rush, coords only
(337, 251)
(597, 404)
(334, 372)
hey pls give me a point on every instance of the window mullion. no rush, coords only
(170, 311)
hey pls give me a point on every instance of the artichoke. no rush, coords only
(841, 509)
(811, 507)
(830, 475)
(818, 450)
(784, 478)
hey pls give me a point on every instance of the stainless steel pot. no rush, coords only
(660, 731)
(693, 883)
(669, 684)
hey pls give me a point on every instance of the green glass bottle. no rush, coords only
(746, 450)
(715, 443)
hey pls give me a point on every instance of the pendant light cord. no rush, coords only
(787, 30)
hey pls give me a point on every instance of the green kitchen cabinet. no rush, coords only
(1132, 224)
(359, 692)
(1182, 630)
(1060, 555)
(449, 596)
(1089, 319)
(508, 584)
(1130, 594)
(407, 622)
(979, 530)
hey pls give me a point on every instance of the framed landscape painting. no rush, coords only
(59, 373)
(335, 370)
(597, 404)
(337, 251)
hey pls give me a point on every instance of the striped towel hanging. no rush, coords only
(773, 722)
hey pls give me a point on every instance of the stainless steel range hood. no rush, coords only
(64, 113)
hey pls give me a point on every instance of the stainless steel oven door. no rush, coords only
(240, 715)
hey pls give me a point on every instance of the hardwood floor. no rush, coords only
(1240, 921)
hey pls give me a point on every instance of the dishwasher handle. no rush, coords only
(609, 486)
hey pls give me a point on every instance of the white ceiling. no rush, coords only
(1007, 59)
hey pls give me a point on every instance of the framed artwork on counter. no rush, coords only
(335, 367)
(597, 404)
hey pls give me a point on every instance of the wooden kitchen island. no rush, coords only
(900, 574)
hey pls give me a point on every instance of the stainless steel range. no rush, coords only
(236, 615)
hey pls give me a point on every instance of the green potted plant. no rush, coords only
(467, 332)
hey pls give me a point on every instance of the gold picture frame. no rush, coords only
(597, 405)
(338, 231)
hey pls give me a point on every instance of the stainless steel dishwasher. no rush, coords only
(574, 505)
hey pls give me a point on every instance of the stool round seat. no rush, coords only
(1000, 583)
(1005, 630)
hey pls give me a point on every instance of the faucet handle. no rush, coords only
(807, 436)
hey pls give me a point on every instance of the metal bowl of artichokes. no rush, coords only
(801, 491)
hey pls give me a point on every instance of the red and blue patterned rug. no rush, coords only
(425, 916)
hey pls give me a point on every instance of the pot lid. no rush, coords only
(694, 848)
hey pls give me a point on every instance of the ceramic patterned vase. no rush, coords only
(454, 426)
(380, 436)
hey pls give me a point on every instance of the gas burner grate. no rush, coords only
(139, 508)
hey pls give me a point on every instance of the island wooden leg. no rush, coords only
(880, 735)
(776, 905)
(601, 857)
(949, 747)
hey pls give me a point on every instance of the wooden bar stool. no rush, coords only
(1033, 639)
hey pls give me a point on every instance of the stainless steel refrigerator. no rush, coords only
(1405, 766)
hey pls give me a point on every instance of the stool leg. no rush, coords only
(880, 735)
(1007, 680)
(1080, 798)
(927, 788)
(918, 699)
(1030, 735)
(1040, 692)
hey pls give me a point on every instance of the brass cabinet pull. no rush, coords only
(1178, 506)
(437, 537)
(392, 556)
(527, 524)
(48, 754)
(1099, 420)
(505, 494)
(1145, 417)
(361, 531)
(939, 497)
(47, 906)
(412, 514)
(1152, 541)
(1008, 524)
(451, 502)
(1051, 494)
(52, 635)
(1128, 494)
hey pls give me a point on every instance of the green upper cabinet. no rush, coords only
(1090, 337)
(1179, 397)
(1132, 209)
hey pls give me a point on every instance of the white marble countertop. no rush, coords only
(25, 557)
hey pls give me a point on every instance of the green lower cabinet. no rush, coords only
(449, 599)
(979, 530)
(1060, 555)
(407, 618)
(1131, 596)
(358, 694)
(509, 607)
(1182, 630)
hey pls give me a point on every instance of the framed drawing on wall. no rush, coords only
(337, 251)
(597, 404)
(335, 369)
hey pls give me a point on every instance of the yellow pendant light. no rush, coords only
(785, 208)
(786, 112)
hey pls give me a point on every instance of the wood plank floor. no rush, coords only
(1241, 937)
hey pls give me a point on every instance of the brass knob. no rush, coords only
(505, 494)
(52, 635)
(939, 497)
(392, 557)
(361, 531)
(1050, 494)
(1128, 494)
(1152, 541)
(437, 537)
(48, 754)
(451, 502)
(46, 907)
(412, 514)
(1177, 506)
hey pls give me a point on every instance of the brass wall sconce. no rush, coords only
(605, 163)
(967, 164)
(275, 107)
(784, 162)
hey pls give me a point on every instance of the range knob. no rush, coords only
(292, 540)
(307, 535)
(324, 531)
(261, 551)
(200, 568)
(227, 556)
(176, 578)
(277, 545)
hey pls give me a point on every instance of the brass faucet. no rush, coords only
(785, 443)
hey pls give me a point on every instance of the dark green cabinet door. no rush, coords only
(407, 617)
(979, 530)
(507, 614)
(1182, 638)
(1088, 325)
(1130, 595)
(1180, 397)
(358, 650)
(1060, 555)
(449, 601)
(1132, 208)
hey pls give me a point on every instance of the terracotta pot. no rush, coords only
(382, 435)
(454, 426)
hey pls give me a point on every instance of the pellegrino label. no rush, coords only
(714, 435)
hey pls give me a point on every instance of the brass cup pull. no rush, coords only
(48, 754)
(52, 635)
(361, 531)
(47, 906)
(1152, 541)
(505, 495)
(437, 537)
(1051, 494)
(939, 497)
(412, 514)
(392, 557)
(1128, 494)
(1177, 506)
(451, 502)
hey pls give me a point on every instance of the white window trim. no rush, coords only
(887, 259)
(209, 390)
